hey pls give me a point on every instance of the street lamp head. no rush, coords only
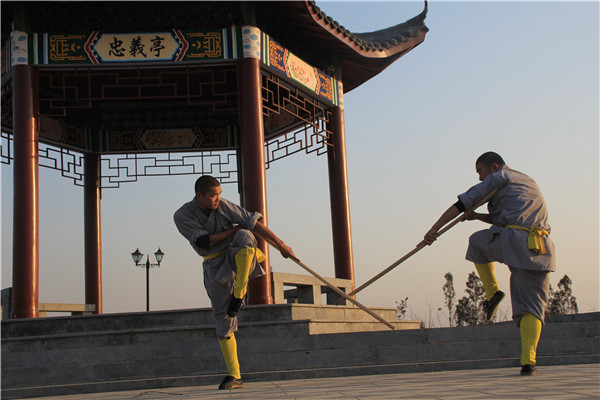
(159, 255)
(137, 256)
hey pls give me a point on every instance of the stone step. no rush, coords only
(193, 317)
(269, 333)
(92, 365)
(274, 335)
(138, 358)
(315, 313)
(107, 356)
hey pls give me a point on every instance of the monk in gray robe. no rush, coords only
(518, 237)
(221, 232)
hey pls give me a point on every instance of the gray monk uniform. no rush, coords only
(519, 203)
(219, 270)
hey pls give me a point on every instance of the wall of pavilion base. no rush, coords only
(66, 355)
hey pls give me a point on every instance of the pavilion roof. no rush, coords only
(301, 26)
(361, 55)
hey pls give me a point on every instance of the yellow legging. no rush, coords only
(531, 329)
(488, 279)
(229, 349)
(243, 261)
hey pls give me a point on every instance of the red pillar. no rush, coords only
(26, 194)
(252, 158)
(338, 192)
(93, 238)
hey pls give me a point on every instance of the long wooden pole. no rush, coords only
(335, 288)
(423, 244)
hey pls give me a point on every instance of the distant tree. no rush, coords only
(562, 302)
(401, 307)
(449, 295)
(469, 309)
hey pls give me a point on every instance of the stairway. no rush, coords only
(84, 354)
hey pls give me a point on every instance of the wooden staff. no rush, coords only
(423, 244)
(334, 288)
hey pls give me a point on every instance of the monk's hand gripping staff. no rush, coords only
(422, 244)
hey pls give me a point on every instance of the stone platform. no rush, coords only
(143, 351)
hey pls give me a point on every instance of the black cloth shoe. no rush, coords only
(492, 306)
(231, 383)
(528, 370)
(235, 305)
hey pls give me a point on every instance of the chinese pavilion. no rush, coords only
(101, 89)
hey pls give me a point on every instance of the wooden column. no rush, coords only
(252, 168)
(338, 192)
(92, 232)
(26, 194)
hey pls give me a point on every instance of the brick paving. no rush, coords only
(562, 382)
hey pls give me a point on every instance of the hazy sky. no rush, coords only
(517, 78)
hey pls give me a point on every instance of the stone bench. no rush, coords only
(45, 308)
(306, 289)
(74, 309)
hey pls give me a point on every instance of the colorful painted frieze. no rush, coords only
(170, 46)
(105, 47)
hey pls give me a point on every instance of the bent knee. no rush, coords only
(244, 238)
(480, 238)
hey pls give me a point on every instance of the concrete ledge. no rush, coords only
(187, 317)
(141, 353)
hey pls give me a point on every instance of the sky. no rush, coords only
(517, 78)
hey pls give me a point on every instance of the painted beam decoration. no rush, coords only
(56, 131)
(170, 46)
(139, 140)
(156, 140)
(105, 47)
(257, 44)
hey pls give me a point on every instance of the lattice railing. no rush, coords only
(6, 154)
(117, 169)
(303, 119)
(308, 139)
(71, 164)
(294, 122)
(122, 168)
(212, 86)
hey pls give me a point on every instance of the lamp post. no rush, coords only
(137, 257)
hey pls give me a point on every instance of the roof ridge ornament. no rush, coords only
(379, 40)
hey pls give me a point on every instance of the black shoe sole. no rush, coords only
(235, 307)
(230, 383)
(529, 371)
(502, 295)
(236, 386)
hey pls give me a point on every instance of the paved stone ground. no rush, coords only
(552, 382)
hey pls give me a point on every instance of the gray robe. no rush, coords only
(519, 203)
(220, 271)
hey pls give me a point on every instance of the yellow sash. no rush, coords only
(213, 255)
(260, 256)
(535, 240)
